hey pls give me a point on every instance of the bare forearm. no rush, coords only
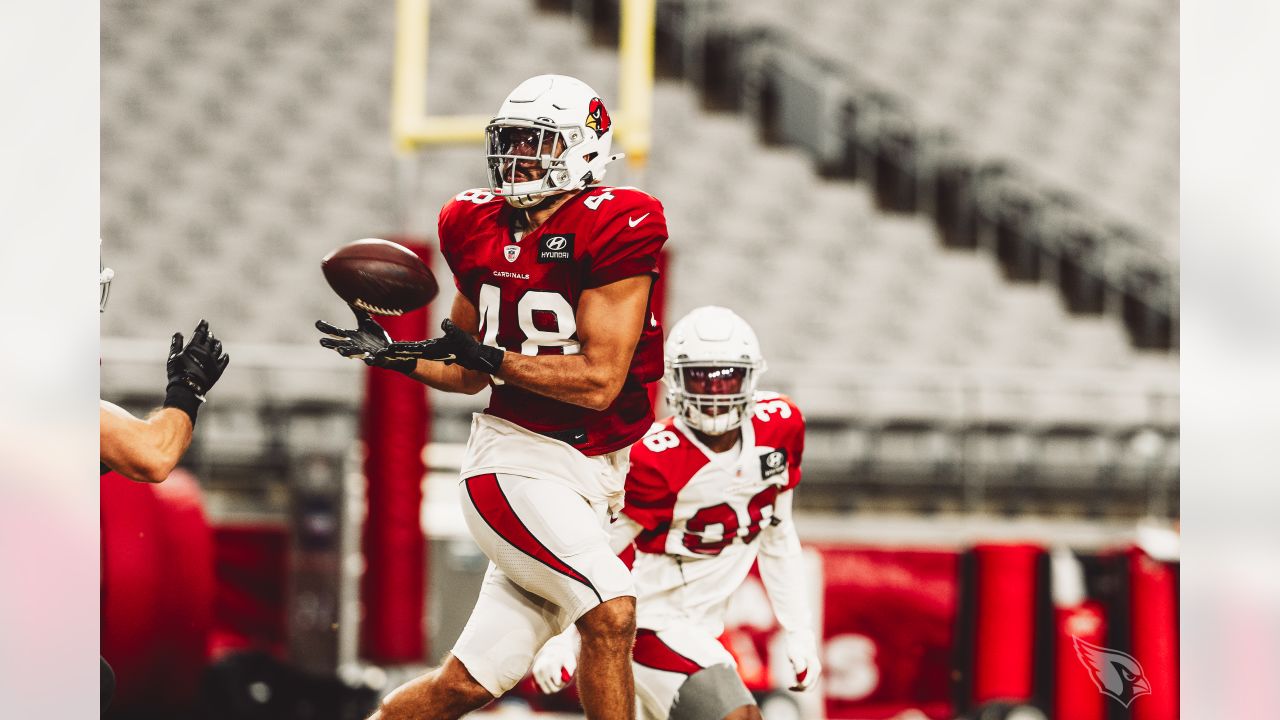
(573, 379)
(454, 378)
(609, 321)
(449, 378)
(143, 450)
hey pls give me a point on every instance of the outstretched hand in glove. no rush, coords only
(193, 368)
(455, 346)
(365, 342)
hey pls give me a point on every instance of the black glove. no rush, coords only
(457, 346)
(193, 369)
(363, 343)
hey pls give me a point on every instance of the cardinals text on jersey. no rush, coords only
(526, 289)
(701, 516)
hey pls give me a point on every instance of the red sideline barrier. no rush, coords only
(1153, 603)
(157, 589)
(252, 568)
(888, 628)
(394, 429)
(1076, 695)
(1004, 627)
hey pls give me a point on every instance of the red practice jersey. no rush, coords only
(527, 290)
(703, 513)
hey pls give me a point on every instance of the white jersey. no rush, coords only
(705, 515)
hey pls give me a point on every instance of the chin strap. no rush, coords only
(586, 181)
(546, 196)
(714, 429)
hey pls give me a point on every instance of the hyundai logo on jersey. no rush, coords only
(556, 248)
(773, 464)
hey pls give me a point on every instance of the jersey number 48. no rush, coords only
(545, 318)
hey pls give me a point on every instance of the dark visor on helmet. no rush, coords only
(713, 380)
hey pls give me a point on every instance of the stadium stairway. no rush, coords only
(1083, 94)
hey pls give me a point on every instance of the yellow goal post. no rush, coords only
(413, 127)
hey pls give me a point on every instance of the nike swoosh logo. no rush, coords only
(636, 221)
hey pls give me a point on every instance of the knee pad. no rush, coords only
(710, 694)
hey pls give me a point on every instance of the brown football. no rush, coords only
(379, 276)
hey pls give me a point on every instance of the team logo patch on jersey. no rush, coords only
(511, 252)
(773, 464)
(555, 248)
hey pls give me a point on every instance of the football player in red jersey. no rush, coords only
(554, 272)
(708, 494)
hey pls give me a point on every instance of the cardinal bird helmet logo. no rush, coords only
(1115, 673)
(597, 117)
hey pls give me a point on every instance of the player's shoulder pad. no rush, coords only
(461, 206)
(651, 458)
(659, 438)
(468, 200)
(773, 409)
(625, 200)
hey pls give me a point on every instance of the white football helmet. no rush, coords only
(551, 135)
(713, 362)
(105, 276)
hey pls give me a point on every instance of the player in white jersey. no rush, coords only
(709, 493)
